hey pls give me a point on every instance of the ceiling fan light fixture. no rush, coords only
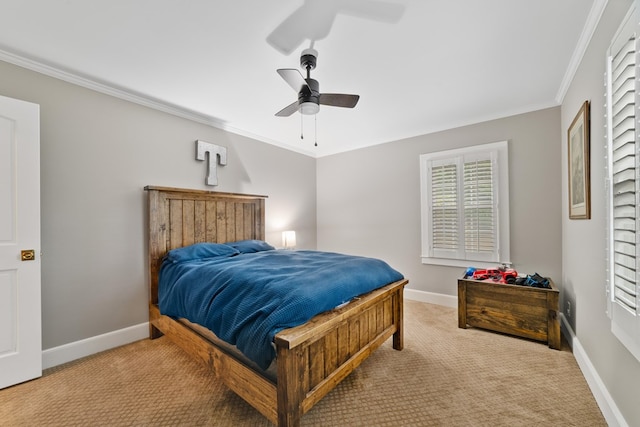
(309, 108)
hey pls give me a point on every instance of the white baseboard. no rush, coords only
(431, 298)
(607, 405)
(75, 350)
(567, 330)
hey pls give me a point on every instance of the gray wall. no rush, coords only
(584, 241)
(369, 199)
(97, 154)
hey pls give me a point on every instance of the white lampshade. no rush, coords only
(289, 239)
(309, 108)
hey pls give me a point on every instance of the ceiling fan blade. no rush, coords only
(339, 100)
(291, 32)
(288, 110)
(375, 10)
(313, 20)
(293, 78)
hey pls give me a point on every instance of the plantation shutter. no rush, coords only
(624, 176)
(479, 207)
(623, 181)
(444, 211)
(463, 208)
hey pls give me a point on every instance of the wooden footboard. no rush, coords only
(311, 358)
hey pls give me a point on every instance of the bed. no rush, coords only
(311, 359)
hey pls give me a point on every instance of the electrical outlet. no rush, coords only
(568, 308)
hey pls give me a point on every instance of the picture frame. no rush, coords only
(578, 142)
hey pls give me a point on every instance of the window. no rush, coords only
(623, 175)
(465, 206)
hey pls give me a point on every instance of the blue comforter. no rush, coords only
(247, 298)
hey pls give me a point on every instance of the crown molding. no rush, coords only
(110, 89)
(597, 9)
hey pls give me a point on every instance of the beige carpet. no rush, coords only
(445, 376)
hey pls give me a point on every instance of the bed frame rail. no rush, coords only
(253, 387)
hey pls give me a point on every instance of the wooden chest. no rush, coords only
(511, 309)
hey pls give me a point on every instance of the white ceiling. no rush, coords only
(443, 64)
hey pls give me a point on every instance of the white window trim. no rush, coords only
(502, 180)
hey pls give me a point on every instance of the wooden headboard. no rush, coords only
(180, 217)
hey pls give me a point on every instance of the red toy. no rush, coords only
(500, 275)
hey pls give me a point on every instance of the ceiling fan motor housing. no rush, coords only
(308, 59)
(314, 96)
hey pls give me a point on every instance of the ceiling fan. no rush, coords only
(308, 89)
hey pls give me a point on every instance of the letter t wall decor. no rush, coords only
(217, 154)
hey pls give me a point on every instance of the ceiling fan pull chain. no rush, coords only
(315, 130)
(301, 127)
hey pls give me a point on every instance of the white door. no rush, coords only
(20, 315)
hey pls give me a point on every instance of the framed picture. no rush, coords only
(579, 170)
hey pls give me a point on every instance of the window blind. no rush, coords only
(623, 179)
(463, 208)
(624, 176)
(479, 213)
(444, 202)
